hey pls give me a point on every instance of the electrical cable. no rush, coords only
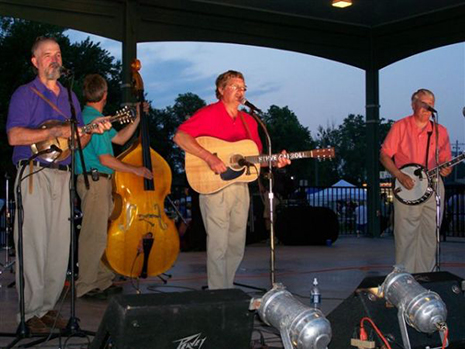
(446, 335)
(364, 336)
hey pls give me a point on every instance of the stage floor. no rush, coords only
(340, 268)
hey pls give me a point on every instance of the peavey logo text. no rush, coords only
(191, 342)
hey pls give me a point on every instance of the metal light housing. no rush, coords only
(300, 326)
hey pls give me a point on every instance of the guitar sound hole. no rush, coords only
(234, 161)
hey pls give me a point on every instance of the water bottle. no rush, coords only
(315, 295)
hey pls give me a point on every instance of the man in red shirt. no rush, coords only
(225, 212)
(407, 142)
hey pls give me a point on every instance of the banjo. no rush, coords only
(423, 181)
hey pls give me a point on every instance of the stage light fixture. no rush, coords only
(341, 3)
(300, 326)
(418, 307)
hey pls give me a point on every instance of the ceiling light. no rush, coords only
(342, 3)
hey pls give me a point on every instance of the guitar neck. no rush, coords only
(451, 163)
(89, 127)
(262, 159)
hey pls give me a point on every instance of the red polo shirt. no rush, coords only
(214, 121)
(406, 142)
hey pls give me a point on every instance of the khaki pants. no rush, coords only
(225, 217)
(415, 233)
(46, 238)
(96, 205)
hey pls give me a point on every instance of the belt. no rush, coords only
(51, 165)
(101, 174)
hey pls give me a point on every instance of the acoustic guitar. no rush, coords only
(242, 160)
(59, 146)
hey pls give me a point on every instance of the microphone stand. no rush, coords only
(22, 331)
(437, 194)
(270, 196)
(73, 323)
(8, 229)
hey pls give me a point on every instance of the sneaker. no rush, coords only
(54, 318)
(36, 325)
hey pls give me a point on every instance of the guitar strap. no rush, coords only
(245, 125)
(427, 145)
(49, 102)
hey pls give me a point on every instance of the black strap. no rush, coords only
(427, 145)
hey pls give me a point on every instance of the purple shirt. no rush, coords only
(29, 110)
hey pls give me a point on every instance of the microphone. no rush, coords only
(244, 162)
(429, 108)
(250, 105)
(65, 71)
(53, 148)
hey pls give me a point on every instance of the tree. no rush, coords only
(288, 133)
(349, 139)
(163, 125)
(329, 172)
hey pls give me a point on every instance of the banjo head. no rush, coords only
(421, 190)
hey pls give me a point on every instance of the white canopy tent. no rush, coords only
(340, 191)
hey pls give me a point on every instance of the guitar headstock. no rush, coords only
(125, 115)
(323, 154)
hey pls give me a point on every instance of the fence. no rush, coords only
(349, 203)
(345, 200)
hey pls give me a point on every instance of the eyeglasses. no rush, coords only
(238, 88)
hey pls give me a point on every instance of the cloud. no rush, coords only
(317, 90)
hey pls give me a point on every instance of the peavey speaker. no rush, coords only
(195, 320)
(345, 319)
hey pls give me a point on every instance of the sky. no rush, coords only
(317, 90)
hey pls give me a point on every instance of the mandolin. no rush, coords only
(61, 144)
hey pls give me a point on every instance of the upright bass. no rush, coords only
(142, 240)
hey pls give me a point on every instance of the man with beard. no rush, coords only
(46, 202)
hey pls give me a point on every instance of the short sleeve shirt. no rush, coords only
(407, 143)
(214, 121)
(100, 144)
(29, 110)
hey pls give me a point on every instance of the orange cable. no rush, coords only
(380, 335)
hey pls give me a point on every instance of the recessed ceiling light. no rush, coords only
(342, 3)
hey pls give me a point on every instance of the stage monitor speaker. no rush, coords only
(345, 319)
(194, 319)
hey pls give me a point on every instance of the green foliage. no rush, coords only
(85, 58)
(163, 125)
(287, 133)
(350, 141)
